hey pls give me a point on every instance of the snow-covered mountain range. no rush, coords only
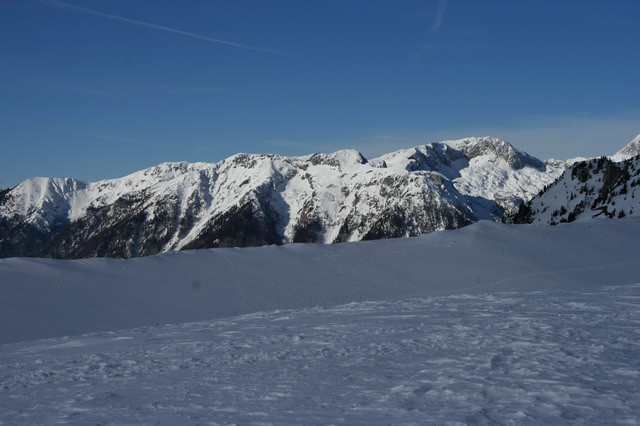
(605, 187)
(252, 199)
(249, 200)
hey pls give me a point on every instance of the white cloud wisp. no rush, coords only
(68, 6)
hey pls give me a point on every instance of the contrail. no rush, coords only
(63, 5)
(435, 26)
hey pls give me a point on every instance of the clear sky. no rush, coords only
(94, 89)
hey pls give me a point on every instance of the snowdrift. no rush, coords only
(42, 298)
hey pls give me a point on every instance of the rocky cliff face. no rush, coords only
(250, 200)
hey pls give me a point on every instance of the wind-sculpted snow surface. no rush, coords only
(45, 298)
(547, 357)
(253, 200)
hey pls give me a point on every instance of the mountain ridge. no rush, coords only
(258, 199)
(632, 149)
(594, 188)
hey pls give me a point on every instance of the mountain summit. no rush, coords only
(631, 150)
(251, 199)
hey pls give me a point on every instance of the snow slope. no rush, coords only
(632, 149)
(490, 324)
(497, 171)
(598, 188)
(45, 298)
(482, 168)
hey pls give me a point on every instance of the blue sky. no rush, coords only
(94, 89)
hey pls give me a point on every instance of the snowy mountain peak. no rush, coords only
(474, 147)
(630, 150)
(41, 201)
(342, 159)
(484, 167)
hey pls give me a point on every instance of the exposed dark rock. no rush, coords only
(308, 227)
(251, 224)
(21, 239)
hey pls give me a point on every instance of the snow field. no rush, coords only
(546, 357)
(489, 324)
(42, 298)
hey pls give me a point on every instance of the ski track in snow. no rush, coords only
(546, 357)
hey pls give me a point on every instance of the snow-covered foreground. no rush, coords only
(42, 298)
(488, 324)
(548, 357)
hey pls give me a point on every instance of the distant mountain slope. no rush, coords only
(631, 150)
(251, 200)
(598, 188)
(487, 170)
